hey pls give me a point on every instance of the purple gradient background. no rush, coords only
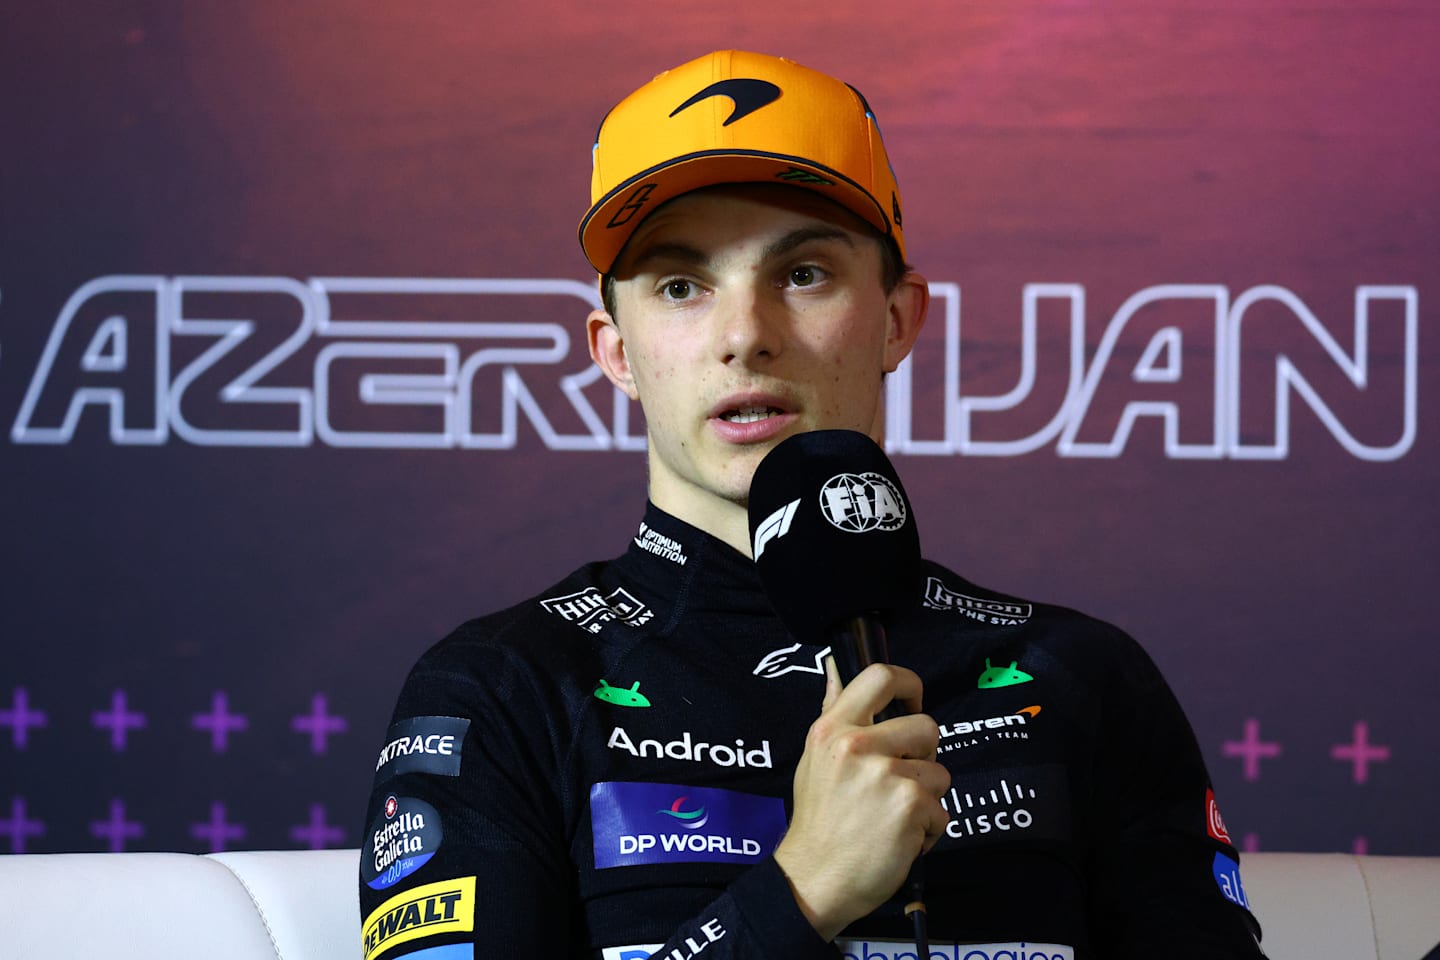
(1114, 145)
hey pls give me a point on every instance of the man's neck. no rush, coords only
(725, 521)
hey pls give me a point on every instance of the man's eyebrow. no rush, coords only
(673, 251)
(679, 252)
(804, 235)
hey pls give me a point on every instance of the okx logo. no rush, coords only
(422, 745)
(644, 823)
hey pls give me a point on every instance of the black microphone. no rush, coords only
(832, 534)
(835, 543)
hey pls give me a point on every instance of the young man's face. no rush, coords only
(747, 314)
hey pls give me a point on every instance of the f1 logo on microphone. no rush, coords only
(773, 526)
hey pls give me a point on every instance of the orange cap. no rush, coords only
(735, 117)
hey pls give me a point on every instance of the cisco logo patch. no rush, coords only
(990, 806)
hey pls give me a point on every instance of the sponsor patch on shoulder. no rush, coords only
(422, 745)
(1227, 877)
(1214, 825)
(444, 907)
(996, 613)
(403, 838)
(643, 823)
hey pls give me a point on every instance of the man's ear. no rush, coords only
(607, 349)
(908, 304)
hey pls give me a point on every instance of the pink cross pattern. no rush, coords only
(219, 721)
(120, 720)
(18, 827)
(317, 833)
(1359, 752)
(218, 830)
(1252, 749)
(20, 718)
(319, 723)
(117, 829)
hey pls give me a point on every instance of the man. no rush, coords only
(641, 761)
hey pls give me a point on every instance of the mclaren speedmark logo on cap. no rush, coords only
(746, 93)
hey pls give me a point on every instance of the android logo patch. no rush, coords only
(999, 676)
(620, 696)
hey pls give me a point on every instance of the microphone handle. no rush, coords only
(857, 642)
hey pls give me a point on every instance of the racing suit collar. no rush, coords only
(669, 555)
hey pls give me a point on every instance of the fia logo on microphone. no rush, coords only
(862, 502)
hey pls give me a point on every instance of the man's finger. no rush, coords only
(874, 687)
(832, 684)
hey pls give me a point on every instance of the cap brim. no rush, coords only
(610, 222)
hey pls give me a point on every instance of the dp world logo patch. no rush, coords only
(634, 824)
(689, 819)
(862, 502)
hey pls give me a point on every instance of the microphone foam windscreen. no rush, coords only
(831, 531)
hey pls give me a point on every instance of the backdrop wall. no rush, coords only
(293, 374)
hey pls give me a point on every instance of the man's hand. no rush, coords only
(867, 798)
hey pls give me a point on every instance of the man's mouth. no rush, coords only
(749, 414)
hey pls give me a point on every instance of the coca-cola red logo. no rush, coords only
(1214, 825)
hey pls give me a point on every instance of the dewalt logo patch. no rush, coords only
(444, 907)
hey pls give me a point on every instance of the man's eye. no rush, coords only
(677, 289)
(804, 276)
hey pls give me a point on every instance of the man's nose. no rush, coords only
(751, 327)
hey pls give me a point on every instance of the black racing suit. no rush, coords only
(605, 770)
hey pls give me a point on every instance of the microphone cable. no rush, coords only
(915, 908)
(856, 644)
